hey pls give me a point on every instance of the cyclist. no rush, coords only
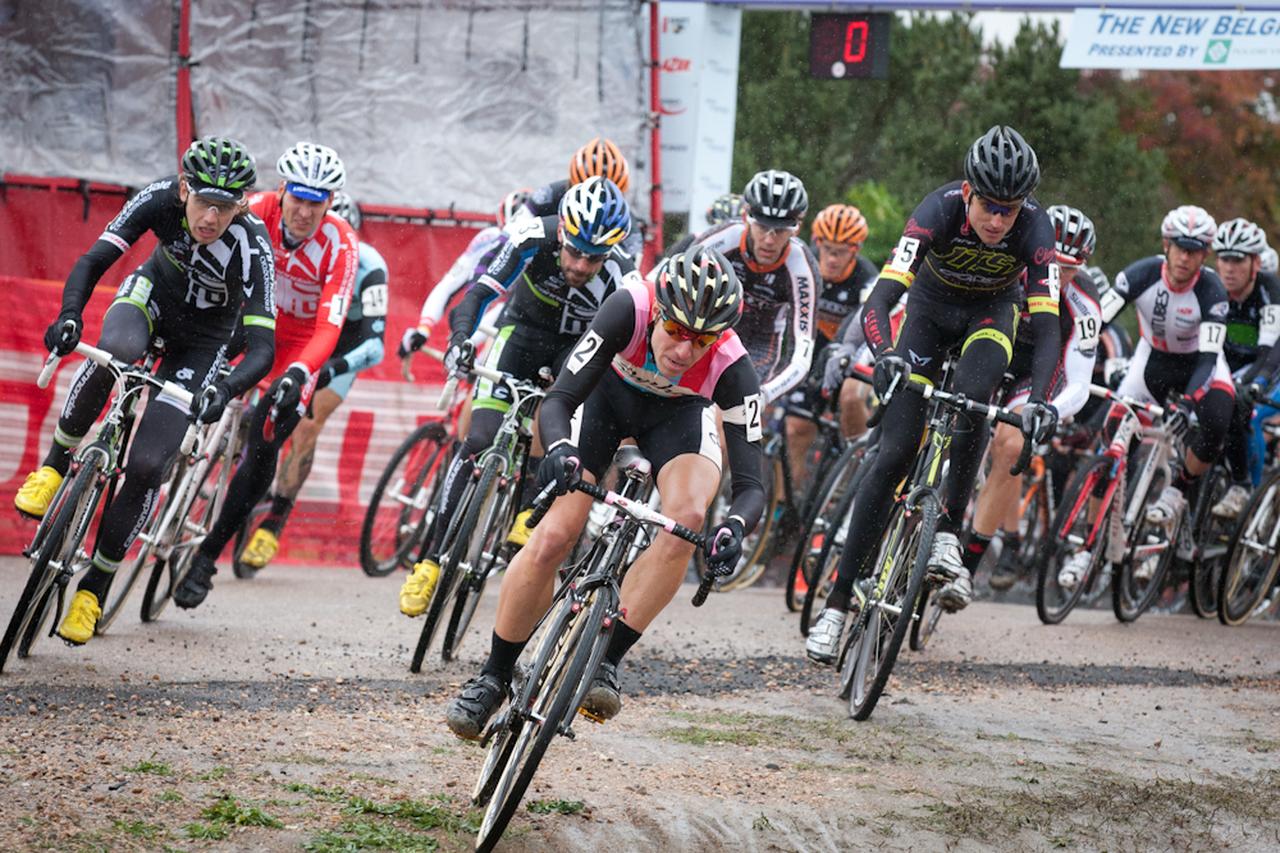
(727, 207)
(206, 276)
(778, 275)
(316, 258)
(360, 346)
(1253, 326)
(555, 272)
(1080, 321)
(963, 254)
(839, 230)
(599, 158)
(1182, 311)
(654, 360)
(468, 266)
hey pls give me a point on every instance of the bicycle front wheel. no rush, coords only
(1140, 576)
(1254, 557)
(1057, 594)
(813, 530)
(891, 605)
(482, 560)
(402, 500)
(1212, 536)
(559, 688)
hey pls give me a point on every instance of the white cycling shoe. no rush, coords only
(1168, 508)
(824, 635)
(1232, 503)
(1072, 571)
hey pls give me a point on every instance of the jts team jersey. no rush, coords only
(313, 286)
(780, 307)
(618, 343)
(212, 286)
(360, 342)
(526, 269)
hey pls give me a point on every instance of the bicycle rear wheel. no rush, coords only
(1212, 536)
(825, 568)
(482, 558)
(401, 504)
(1139, 577)
(1254, 556)
(142, 549)
(925, 620)
(1069, 536)
(892, 606)
(560, 686)
(817, 522)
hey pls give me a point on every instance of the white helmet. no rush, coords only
(1191, 227)
(317, 167)
(346, 207)
(1270, 262)
(1239, 237)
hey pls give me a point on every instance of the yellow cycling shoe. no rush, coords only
(417, 589)
(82, 617)
(261, 548)
(37, 492)
(519, 534)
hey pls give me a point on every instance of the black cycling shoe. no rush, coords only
(1008, 570)
(469, 713)
(604, 700)
(196, 585)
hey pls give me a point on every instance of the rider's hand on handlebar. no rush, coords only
(1177, 418)
(287, 390)
(1039, 420)
(64, 333)
(839, 360)
(460, 356)
(208, 406)
(562, 466)
(888, 368)
(413, 340)
(724, 547)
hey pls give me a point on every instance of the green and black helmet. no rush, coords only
(219, 168)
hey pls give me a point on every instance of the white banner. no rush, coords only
(699, 95)
(1187, 39)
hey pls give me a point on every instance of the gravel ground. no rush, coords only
(282, 716)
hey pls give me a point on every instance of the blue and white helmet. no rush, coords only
(313, 166)
(594, 216)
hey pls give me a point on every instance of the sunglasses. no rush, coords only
(579, 255)
(995, 208)
(684, 333)
(774, 229)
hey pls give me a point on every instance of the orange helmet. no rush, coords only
(841, 223)
(600, 157)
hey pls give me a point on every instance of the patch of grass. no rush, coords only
(206, 831)
(228, 810)
(139, 829)
(369, 777)
(877, 742)
(761, 824)
(332, 795)
(421, 814)
(352, 835)
(213, 774)
(556, 806)
(1010, 736)
(301, 758)
(155, 768)
(1253, 742)
(170, 797)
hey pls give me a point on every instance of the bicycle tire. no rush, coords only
(830, 491)
(827, 564)
(189, 515)
(378, 557)
(555, 702)
(455, 551)
(1209, 533)
(902, 588)
(64, 509)
(1254, 558)
(757, 545)
(1054, 602)
(496, 518)
(1130, 595)
(924, 623)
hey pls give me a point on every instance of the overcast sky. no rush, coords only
(1003, 26)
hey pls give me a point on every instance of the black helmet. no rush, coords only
(776, 198)
(219, 168)
(1001, 165)
(699, 290)
(725, 208)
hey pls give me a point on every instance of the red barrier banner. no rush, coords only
(43, 232)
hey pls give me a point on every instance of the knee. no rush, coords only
(1006, 446)
(147, 469)
(549, 544)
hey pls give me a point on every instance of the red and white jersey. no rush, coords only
(314, 282)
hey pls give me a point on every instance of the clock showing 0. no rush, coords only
(849, 46)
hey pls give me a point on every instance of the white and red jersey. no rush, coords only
(314, 282)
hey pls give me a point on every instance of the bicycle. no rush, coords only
(786, 508)
(474, 544)
(56, 551)
(887, 600)
(1101, 528)
(1253, 557)
(572, 639)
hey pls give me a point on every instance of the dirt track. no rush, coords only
(286, 701)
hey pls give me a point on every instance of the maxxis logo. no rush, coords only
(1217, 51)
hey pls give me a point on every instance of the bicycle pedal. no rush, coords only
(595, 718)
